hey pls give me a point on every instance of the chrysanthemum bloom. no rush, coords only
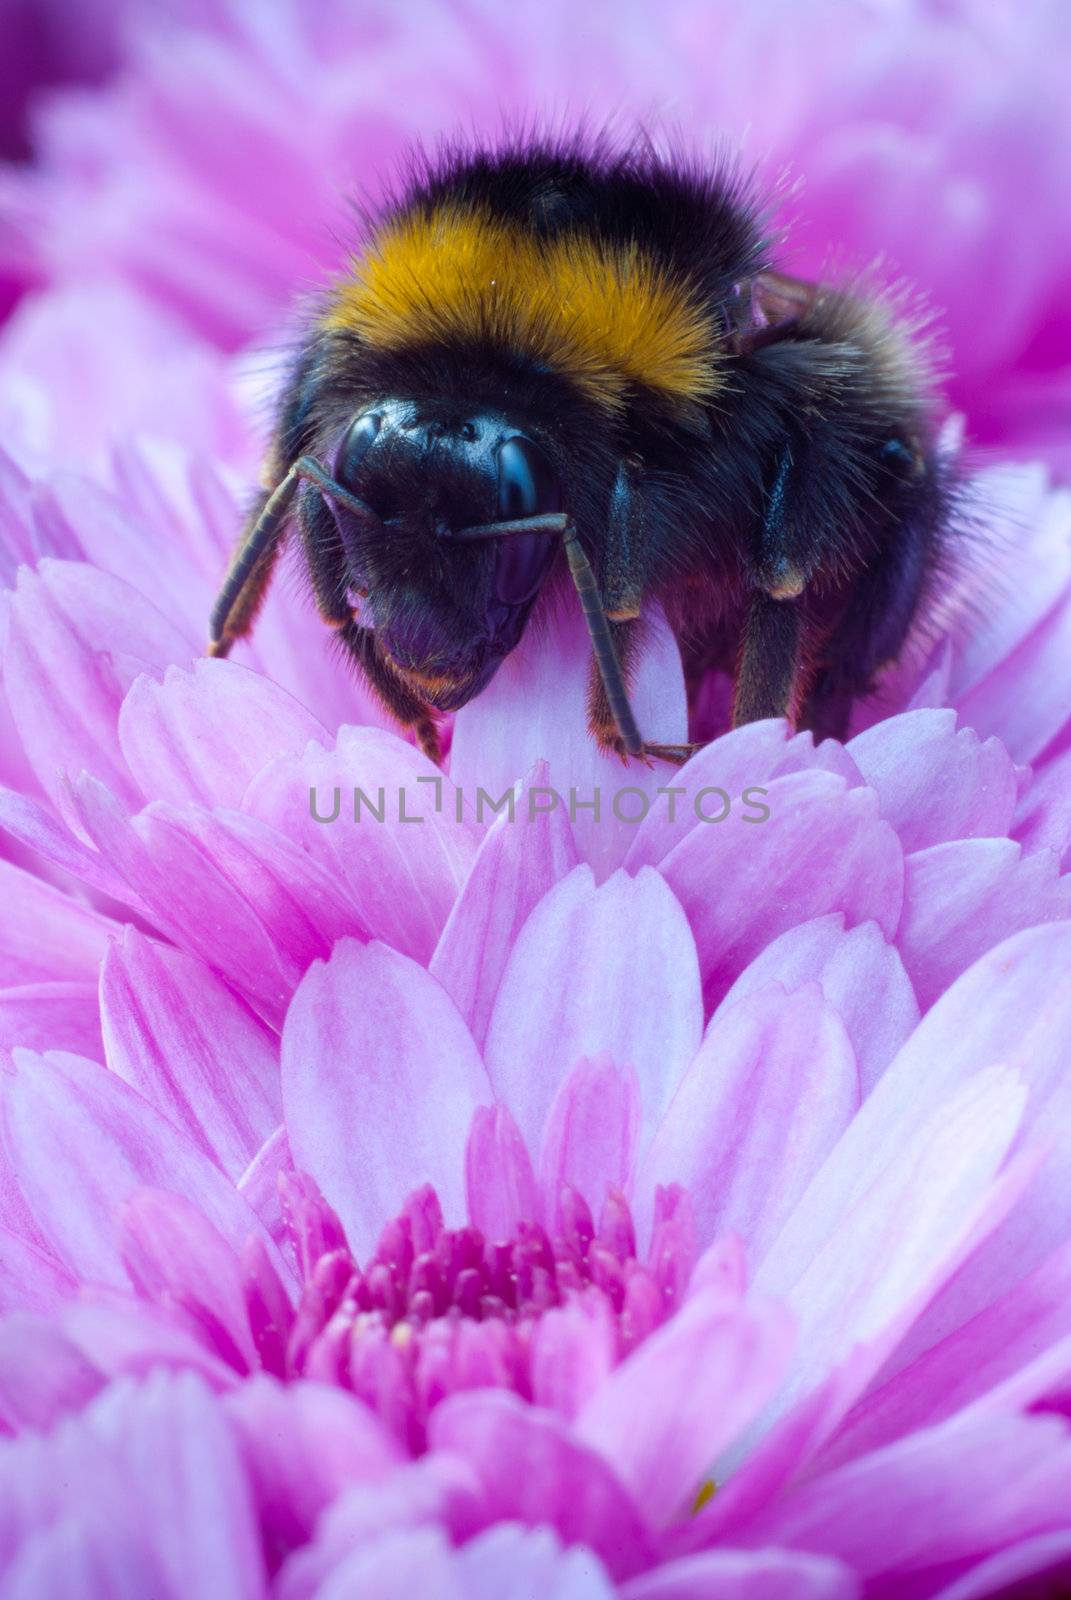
(472, 1176)
(645, 1193)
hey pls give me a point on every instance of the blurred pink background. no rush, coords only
(181, 171)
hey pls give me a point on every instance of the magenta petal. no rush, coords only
(45, 935)
(372, 1042)
(771, 1090)
(554, 1480)
(591, 1134)
(204, 734)
(823, 848)
(610, 969)
(933, 783)
(81, 1142)
(77, 639)
(962, 899)
(746, 1575)
(302, 1445)
(42, 1374)
(664, 1415)
(1046, 1556)
(574, 1350)
(860, 974)
(499, 1180)
(521, 858)
(399, 848)
(179, 1036)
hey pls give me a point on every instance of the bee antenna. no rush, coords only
(546, 522)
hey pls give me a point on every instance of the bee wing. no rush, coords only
(765, 308)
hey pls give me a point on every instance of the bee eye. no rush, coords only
(351, 452)
(526, 485)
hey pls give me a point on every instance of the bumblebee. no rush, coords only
(558, 365)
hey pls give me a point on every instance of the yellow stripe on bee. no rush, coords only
(605, 317)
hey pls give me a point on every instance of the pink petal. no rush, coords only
(823, 848)
(77, 639)
(511, 1563)
(535, 708)
(574, 1350)
(82, 1142)
(890, 1214)
(499, 1180)
(46, 1016)
(590, 1138)
(195, 1051)
(303, 1444)
(204, 734)
(1023, 700)
(933, 783)
(609, 969)
(962, 899)
(372, 1042)
(42, 1374)
(860, 974)
(554, 1479)
(1043, 817)
(746, 1575)
(36, 827)
(30, 1278)
(403, 862)
(664, 1415)
(762, 1105)
(1047, 1555)
(942, 1495)
(45, 935)
(521, 858)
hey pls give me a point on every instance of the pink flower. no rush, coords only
(531, 1174)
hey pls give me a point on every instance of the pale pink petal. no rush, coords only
(233, 891)
(52, 1016)
(762, 1105)
(962, 899)
(823, 848)
(175, 1258)
(372, 1042)
(610, 969)
(1023, 700)
(30, 1278)
(204, 734)
(179, 1036)
(889, 1216)
(40, 830)
(499, 1181)
(259, 1184)
(1043, 817)
(933, 783)
(157, 1466)
(515, 1563)
(591, 1133)
(525, 853)
(400, 844)
(535, 708)
(574, 1350)
(76, 641)
(302, 1445)
(663, 1416)
(746, 1575)
(81, 1142)
(944, 1494)
(860, 974)
(42, 1374)
(554, 1480)
(45, 935)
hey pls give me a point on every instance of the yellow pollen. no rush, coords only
(706, 1494)
(604, 316)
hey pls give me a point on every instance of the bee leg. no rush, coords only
(246, 585)
(768, 675)
(601, 723)
(399, 700)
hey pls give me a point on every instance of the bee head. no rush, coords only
(446, 606)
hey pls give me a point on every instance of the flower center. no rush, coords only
(437, 1310)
